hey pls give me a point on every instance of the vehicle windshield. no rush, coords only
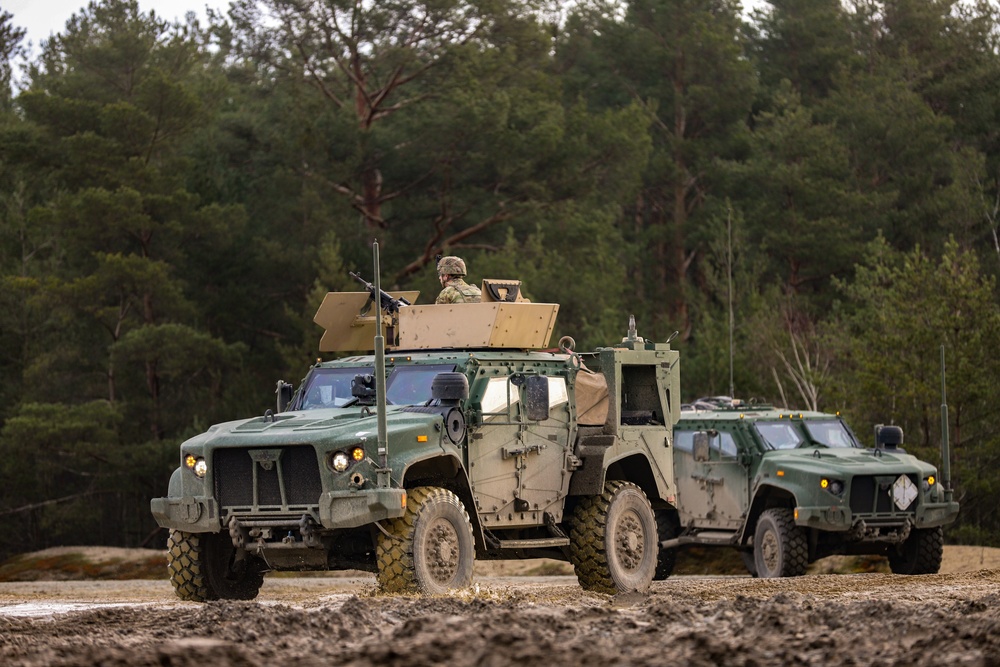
(330, 387)
(411, 385)
(779, 435)
(407, 385)
(831, 433)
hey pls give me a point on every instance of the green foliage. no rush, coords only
(801, 200)
(175, 201)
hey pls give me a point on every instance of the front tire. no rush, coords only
(779, 546)
(205, 566)
(921, 553)
(430, 549)
(613, 540)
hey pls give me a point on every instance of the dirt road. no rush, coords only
(863, 619)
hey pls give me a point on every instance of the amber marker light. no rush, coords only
(795, 514)
(358, 454)
(404, 500)
(931, 480)
(825, 483)
(781, 473)
(189, 461)
(421, 438)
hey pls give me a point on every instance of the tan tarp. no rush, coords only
(591, 398)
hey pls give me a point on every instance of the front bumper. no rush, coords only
(839, 518)
(336, 509)
(350, 509)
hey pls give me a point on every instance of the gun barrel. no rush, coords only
(388, 303)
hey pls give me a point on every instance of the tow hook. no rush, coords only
(238, 532)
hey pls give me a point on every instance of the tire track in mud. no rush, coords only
(870, 619)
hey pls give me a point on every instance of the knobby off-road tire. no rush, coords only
(613, 540)
(203, 567)
(780, 548)
(430, 548)
(749, 562)
(921, 553)
(668, 527)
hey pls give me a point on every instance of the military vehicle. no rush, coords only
(460, 437)
(788, 487)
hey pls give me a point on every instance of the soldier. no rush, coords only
(451, 271)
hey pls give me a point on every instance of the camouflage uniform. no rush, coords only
(457, 290)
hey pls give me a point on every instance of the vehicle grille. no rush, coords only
(871, 494)
(276, 477)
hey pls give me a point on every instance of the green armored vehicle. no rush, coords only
(462, 439)
(787, 488)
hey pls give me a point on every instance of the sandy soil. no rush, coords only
(858, 619)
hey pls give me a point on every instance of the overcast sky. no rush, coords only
(43, 18)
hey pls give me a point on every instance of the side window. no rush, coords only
(557, 391)
(640, 397)
(722, 443)
(495, 399)
(725, 444)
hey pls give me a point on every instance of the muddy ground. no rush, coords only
(856, 619)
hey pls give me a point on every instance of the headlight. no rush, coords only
(339, 461)
(196, 464)
(834, 486)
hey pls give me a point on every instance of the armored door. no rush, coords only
(712, 484)
(518, 465)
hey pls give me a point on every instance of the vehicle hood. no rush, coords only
(846, 462)
(347, 425)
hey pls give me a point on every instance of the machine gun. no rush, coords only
(389, 304)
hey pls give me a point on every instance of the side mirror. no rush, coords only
(450, 388)
(700, 450)
(888, 437)
(284, 394)
(536, 396)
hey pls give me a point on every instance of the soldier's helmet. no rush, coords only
(451, 266)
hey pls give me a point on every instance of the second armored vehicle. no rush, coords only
(787, 488)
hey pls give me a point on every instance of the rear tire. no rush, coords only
(779, 546)
(431, 548)
(204, 566)
(921, 553)
(613, 540)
